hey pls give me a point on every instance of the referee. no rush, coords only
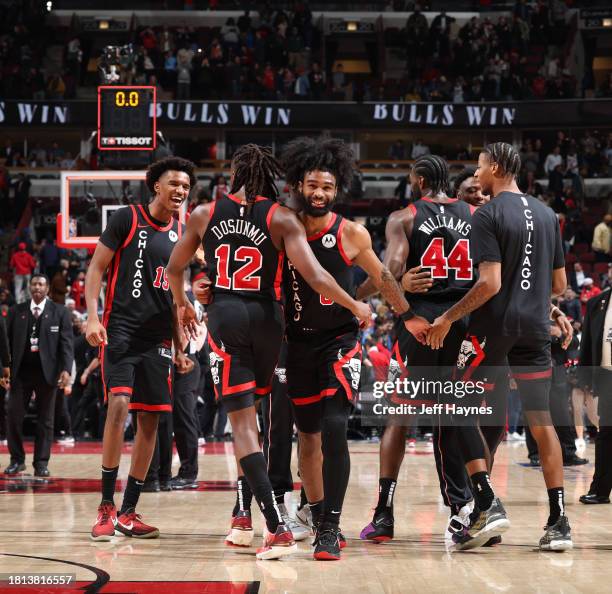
(516, 244)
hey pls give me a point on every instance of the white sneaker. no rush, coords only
(511, 436)
(520, 436)
(68, 440)
(298, 531)
(201, 441)
(580, 444)
(458, 522)
(303, 517)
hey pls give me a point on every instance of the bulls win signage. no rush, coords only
(309, 115)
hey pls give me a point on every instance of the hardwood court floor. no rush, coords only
(52, 519)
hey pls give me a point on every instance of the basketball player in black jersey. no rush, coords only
(136, 333)
(468, 189)
(431, 237)
(324, 352)
(245, 237)
(517, 247)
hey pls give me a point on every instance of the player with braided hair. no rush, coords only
(245, 236)
(431, 239)
(517, 247)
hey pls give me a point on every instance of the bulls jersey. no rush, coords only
(307, 311)
(241, 256)
(524, 235)
(138, 297)
(440, 242)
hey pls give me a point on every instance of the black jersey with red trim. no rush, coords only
(305, 310)
(440, 242)
(241, 257)
(138, 298)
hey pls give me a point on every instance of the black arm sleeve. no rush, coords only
(483, 241)
(118, 228)
(5, 353)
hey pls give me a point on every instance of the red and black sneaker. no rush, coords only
(104, 528)
(277, 545)
(327, 544)
(130, 524)
(241, 532)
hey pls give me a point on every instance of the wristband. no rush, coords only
(407, 315)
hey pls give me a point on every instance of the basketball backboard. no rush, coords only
(88, 200)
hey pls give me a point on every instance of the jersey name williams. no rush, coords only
(429, 225)
(239, 227)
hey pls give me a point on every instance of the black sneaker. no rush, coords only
(178, 483)
(534, 460)
(327, 544)
(575, 461)
(380, 529)
(557, 537)
(484, 525)
(150, 487)
(165, 485)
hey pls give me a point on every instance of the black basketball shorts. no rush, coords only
(317, 367)
(486, 359)
(415, 361)
(244, 337)
(144, 372)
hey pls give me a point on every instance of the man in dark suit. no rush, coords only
(41, 341)
(596, 375)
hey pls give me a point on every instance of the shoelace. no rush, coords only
(105, 513)
(326, 537)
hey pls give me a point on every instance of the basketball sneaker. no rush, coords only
(303, 516)
(557, 537)
(380, 529)
(277, 545)
(241, 531)
(104, 528)
(458, 522)
(484, 525)
(131, 524)
(298, 531)
(327, 544)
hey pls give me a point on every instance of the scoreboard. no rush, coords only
(126, 118)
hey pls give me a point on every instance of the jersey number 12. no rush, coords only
(244, 278)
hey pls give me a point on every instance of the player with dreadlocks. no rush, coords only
(245, 236)
(431, 239)
(516, 245)
(323, 349)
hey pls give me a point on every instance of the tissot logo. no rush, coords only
(126, 141)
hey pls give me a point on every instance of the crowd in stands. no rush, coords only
(276, 54)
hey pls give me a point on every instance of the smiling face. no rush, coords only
(317, 193)
(470, 191)
(172, 189)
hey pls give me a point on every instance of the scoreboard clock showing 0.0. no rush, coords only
(126, 118)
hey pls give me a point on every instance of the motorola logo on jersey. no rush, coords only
(328, 241)
(173, 236)
(139, 263)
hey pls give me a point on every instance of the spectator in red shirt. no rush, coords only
(22, 264)
(77, 292)
(379, 357)
(589, 290)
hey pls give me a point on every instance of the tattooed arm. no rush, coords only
(487, 286)
(396, 252)
(358, 246)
